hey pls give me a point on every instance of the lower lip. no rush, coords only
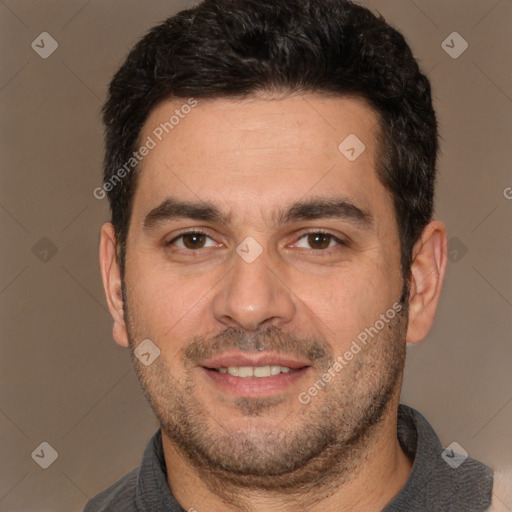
(255, 386)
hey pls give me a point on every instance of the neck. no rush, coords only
(375, 476)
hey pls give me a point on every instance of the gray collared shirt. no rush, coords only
(433, 485)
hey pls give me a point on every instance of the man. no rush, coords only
(270, 166)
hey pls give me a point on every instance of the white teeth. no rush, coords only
(254, 371)
(245, 371)
(262, 371)
(275, 370)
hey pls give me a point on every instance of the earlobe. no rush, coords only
(112, 284)
(427, 275)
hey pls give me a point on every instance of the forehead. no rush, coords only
(260, 152)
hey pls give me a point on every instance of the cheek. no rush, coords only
(330, 304)
(344, 304)
(164, 307)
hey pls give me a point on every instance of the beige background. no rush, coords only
(63, 379)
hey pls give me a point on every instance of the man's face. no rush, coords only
(263, 284)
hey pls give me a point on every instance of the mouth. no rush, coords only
(257, 375)
(258, 372)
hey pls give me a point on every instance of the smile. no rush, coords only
(247, 372)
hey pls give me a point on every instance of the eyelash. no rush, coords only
(338, 240)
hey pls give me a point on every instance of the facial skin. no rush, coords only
(304, 298)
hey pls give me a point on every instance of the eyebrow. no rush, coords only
(172, 208)
(322, 207)
(310, 209)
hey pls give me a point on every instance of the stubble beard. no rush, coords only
(329, 445)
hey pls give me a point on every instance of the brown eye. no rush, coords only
(193, 240)
(319, 240)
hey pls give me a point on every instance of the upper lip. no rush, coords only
(261, 359)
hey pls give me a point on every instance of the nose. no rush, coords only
(253, 296)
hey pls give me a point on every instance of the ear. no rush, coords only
(111, 277)
(430, 256)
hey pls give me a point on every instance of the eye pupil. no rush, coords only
(319, 239)
(193, 240)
